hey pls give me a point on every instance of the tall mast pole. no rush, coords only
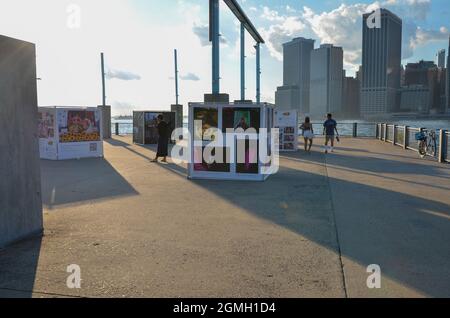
(102, 57)
(176, 76)
(242, 61)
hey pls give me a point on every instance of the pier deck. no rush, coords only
(142, 229)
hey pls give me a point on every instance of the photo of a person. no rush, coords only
(81, 126)
(209, 118)
(289, 138)
(151, 128)
(289, 130)
(45, 125)
(242, 120)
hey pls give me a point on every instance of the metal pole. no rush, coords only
(242, 61)
(394, 139)
(103, 80)
(215, 47)
(442, 145)
(405, 137)
(355, 130)
(176, 76)
(258, 73)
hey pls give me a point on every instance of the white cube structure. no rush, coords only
(240, 151)
(70, 133)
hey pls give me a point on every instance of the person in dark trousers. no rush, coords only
(329, 128)
(163, 139)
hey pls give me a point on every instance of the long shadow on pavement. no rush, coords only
(406, 235)
(76, 181)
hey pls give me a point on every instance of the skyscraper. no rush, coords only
(326, 80)
(294, 94)
(420, 77)
(350, 97)
(381, 61)
(440, 58)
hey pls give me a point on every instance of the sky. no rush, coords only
(138, 38)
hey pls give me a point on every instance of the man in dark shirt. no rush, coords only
(329, 128)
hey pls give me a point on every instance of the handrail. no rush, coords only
(404, 136)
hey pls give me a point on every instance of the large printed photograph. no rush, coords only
(46, 125)
(78, 126)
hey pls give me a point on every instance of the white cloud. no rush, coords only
(190, 77)
(122, 75)
(202, 32)
(342, 27)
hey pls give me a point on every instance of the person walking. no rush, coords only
(308, 133)
(329, 129)
(163, 139)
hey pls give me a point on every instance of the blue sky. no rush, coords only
(138, 38)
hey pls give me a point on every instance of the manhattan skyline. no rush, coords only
(138, 42)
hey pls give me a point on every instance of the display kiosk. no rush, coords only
(287, 122)
(70, 132)
(145, 126)
(206, 118)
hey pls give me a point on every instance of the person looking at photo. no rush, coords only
(308, 133)
(163, 139)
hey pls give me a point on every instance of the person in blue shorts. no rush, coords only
(329, 130)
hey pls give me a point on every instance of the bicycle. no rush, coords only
(427, 143)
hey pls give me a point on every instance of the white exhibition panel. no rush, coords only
(48, 140)
(249, 171)
(287, 122)
(70, 133)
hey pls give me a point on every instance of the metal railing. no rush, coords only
(405, 137)
(345, 129)
(350, 129)
(120, 129)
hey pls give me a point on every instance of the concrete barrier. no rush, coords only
(106, 121)
(20, 180)
(178, 109)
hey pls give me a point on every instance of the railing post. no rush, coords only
(377, 131)
(405, 137)
(442, 145)
(355, 130)
(385, 132)
(117, 129)
(394, 137)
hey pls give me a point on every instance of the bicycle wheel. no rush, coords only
(422, 148)
(432, 147)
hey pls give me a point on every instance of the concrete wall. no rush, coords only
(178, 109)
(106, 121)
(20, 180)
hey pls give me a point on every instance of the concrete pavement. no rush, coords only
(142, 229)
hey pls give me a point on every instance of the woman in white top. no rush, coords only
(308, 133)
